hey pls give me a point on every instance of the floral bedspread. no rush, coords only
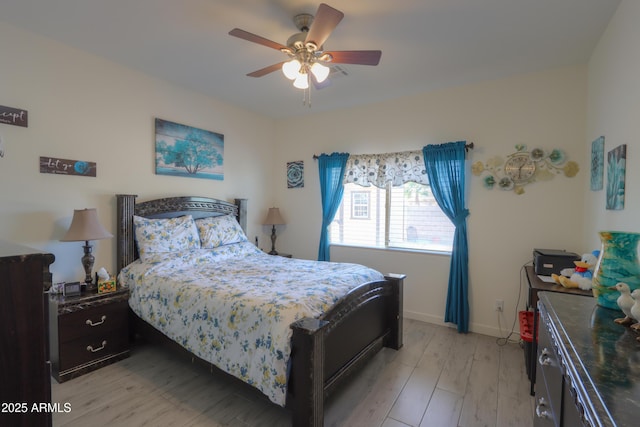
(233, 305)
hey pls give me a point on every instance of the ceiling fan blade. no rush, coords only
(245, 35)
(326, 19)
(360, 57)
(266, 70)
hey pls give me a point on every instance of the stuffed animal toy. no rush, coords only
(581, 276)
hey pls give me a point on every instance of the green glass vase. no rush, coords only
(618, 262)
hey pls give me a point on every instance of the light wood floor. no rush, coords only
(439, 378)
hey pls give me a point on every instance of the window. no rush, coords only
(405, 216)
(360, 205)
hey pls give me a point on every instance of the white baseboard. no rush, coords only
(478, 328)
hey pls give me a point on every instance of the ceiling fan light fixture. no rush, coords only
(320, 72)
(302, 81)
(291, 69)
(307, 59)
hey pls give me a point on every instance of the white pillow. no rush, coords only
(165, 235)
(219, 230)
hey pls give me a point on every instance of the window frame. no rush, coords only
(387, 227)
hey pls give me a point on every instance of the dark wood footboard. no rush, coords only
(326, 351)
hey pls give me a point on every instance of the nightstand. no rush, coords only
(87, 332)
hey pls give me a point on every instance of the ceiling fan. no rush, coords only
(307, 58)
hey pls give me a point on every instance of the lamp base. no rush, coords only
(87, 262)
(273, 241)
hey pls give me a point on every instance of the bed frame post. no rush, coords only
(307, 384)
(396, 310)
(242, 213)
(125, 251)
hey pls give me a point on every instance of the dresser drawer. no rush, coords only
(93, 322)
(549, 370)
(543, 415)
(91, 348)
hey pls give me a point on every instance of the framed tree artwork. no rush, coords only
(187, 151)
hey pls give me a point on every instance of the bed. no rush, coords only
(328, 338)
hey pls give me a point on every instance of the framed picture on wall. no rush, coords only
(187, 151)
(295, 174)
(597, 164)
(616, 171)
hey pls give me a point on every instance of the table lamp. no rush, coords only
(85, 227)
(273, 218)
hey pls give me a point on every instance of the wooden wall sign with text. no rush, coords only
(67, 167)
(14, 116)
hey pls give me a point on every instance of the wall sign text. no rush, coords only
(67, 167)
(14, 116)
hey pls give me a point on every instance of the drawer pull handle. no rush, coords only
(94, 350)
(102, 319)
(540, 412)
(544, 358)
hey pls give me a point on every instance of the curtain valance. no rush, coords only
(378, 169)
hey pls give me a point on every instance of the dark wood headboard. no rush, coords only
(169, 207)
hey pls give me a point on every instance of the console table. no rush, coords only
(538, 285)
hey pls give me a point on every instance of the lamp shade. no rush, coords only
(85, 226)
(274, 217)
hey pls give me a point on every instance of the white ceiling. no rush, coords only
(426, 44)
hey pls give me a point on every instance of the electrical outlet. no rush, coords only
(499, 305)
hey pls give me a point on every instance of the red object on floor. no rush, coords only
(526, 325)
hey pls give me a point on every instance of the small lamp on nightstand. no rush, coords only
(84, 227)
(274, 218)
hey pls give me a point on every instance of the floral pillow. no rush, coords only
(219, 230)
(165, 235)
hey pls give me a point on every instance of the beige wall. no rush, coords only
(545, 109)
(614, 111)
(82, 107)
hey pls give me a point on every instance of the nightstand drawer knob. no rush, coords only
(94, 350)
(102, 319)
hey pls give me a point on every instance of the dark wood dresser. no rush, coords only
(537, 285)
(25, 378)
(88, 331)
(588, 366)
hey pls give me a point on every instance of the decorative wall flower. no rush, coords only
(477, 168)
(489, 181)
(537, 154)
(571, 169)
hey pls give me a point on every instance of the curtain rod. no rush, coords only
(467, 147)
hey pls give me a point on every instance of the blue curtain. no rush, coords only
(331, 168)
(445, 165)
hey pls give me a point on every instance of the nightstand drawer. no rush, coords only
(88, 349)
(92, 322)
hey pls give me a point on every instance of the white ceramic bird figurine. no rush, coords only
(625, 302)
(635, 308)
